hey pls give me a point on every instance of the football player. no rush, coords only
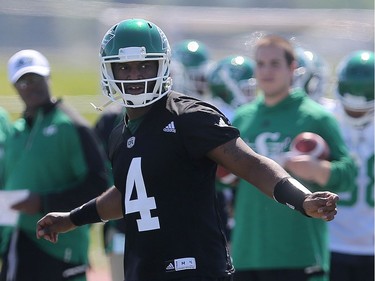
(164, 160)
(312, 75)
(231, 83)
(189, 67)
(352, 233)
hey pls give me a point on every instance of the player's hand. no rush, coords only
(321, 205)
(29, 205)
(52, 224)
(309, 168)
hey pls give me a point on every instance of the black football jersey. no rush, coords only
(168, 190)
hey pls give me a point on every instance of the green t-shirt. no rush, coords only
(47, 158)
(5, 128)
(268, 235)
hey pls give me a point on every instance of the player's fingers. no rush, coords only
(322, 205)
(328, 216)
(325, 195)
(327, 209)
(44, 228)
(324, 198)
(51, 237)
(332, 199)
(42, 231)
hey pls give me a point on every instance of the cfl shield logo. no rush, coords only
(130, 143)
(50, 130)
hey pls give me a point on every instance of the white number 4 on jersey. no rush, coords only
(142, 203)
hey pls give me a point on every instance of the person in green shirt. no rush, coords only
(5, 127)
(54, 154)
(268, 242)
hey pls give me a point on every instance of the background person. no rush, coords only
(54, 154)
(191, 60)
(352, 233)
(268, 242)
(231, 83)
(5, 127)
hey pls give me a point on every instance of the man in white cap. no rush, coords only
(55, 155)
(27, 61)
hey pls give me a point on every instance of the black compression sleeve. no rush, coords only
(290, 192)
(85, 214)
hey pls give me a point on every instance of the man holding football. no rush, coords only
(268, 242)
(164, 158)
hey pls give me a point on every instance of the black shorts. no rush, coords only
(274, 274)
(32, 264)
(351, 267)
(226, 278)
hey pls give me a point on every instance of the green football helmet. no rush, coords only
(135, 40)
(232, 80)
(191, 53)
(355, 84)
(311, 73)
(194, 56)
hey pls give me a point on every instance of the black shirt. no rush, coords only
(168, 189)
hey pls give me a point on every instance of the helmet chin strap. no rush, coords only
(101, 108)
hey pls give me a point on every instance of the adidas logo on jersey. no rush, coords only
(222, 123)
(170, 128)
(180, 264)
(169, 267)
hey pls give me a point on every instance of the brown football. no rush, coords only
(310, 144)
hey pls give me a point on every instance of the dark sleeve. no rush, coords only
(206, 129)
(105, 125)
(93, 184)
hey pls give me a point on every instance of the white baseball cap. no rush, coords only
(27, 61)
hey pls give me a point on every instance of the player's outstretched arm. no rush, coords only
(273, 180)
(105, 207)
(237, 157)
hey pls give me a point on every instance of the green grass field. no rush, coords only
(97, 255)
(66, 82)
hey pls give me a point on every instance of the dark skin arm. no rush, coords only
(108, 205)
(235, 156)
(241, 160)
(264, 173)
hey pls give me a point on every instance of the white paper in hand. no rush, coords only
(7, 199)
